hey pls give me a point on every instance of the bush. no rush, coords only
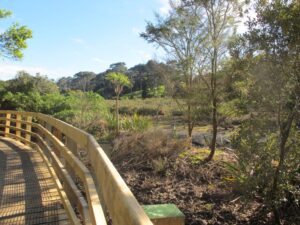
(177, 113)
(126, 110)
(150, 149)
(83, 109)
(149, 111)
(135, 123)
(257, 146)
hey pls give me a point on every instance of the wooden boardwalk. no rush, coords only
(28, 194)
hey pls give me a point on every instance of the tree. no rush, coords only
(119, 80)
(13, 40)
(24, 82)
(196, 35)
(220, 24)
(83, 81)
(147, 77)
(82, 109)
(181, 35)
(272, 148)
(119, 67)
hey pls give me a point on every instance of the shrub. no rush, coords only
(84, 108)
(148, 149)
(135, 123)
(149, 111)
(127, 111)
(177, 113)
(258, 158)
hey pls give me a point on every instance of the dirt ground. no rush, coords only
(202, 192)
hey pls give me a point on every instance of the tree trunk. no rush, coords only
(214, 132)
(117, 114)
(284, 135)
(190, 125)
(214, 121)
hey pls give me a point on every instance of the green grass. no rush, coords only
(165, 105)
(197, 155)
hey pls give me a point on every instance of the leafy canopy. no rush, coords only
(119, 80)
(13, 40)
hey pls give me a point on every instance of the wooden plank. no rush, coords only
(121, 203)
(70, 188)
(79, 136)
(66, 202)
(34, 200)
(95, 209)
(119, 200)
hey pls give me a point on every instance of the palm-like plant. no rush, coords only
(119, 80)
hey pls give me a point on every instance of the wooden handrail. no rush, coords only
(106, 193)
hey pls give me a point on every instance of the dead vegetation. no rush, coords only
(161, 169)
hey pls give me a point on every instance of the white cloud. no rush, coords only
(136, 30)
(165, 6)
(98, 60)
(78, 40)
(144, 55)
(9, 71)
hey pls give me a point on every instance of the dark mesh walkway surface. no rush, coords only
(28, 194)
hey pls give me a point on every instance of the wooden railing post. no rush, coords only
(164, 214)
(7, 124)
(28, 128)
(18, 126)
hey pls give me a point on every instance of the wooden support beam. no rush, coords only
(28, 128)
(18, 126)
(7, 124)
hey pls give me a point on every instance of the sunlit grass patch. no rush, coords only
(197, 155)
(203, 129)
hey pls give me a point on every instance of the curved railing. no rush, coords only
(96, 194)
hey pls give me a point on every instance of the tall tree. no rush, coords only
(275, 36)
(181, 34)
(119, 80)
(196, 35)
(24, 82)
(13, 40)
(222, 17)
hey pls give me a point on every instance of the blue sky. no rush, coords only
(80, 35)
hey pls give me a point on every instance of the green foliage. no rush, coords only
(267, 143)
(25, 83)
(119, 80)
(83, 109)
(83, 81)
(13, 40)
(31, 101)
(135, 123)
(163, 106)
(147, 111)
(258, 159)
(4, 13)
(30, 93)
(146, 80)
(128, 123)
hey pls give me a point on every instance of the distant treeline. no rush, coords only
(147, 80)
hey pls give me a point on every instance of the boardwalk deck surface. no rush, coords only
(28, 194)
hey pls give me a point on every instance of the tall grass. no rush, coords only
(149, 106)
